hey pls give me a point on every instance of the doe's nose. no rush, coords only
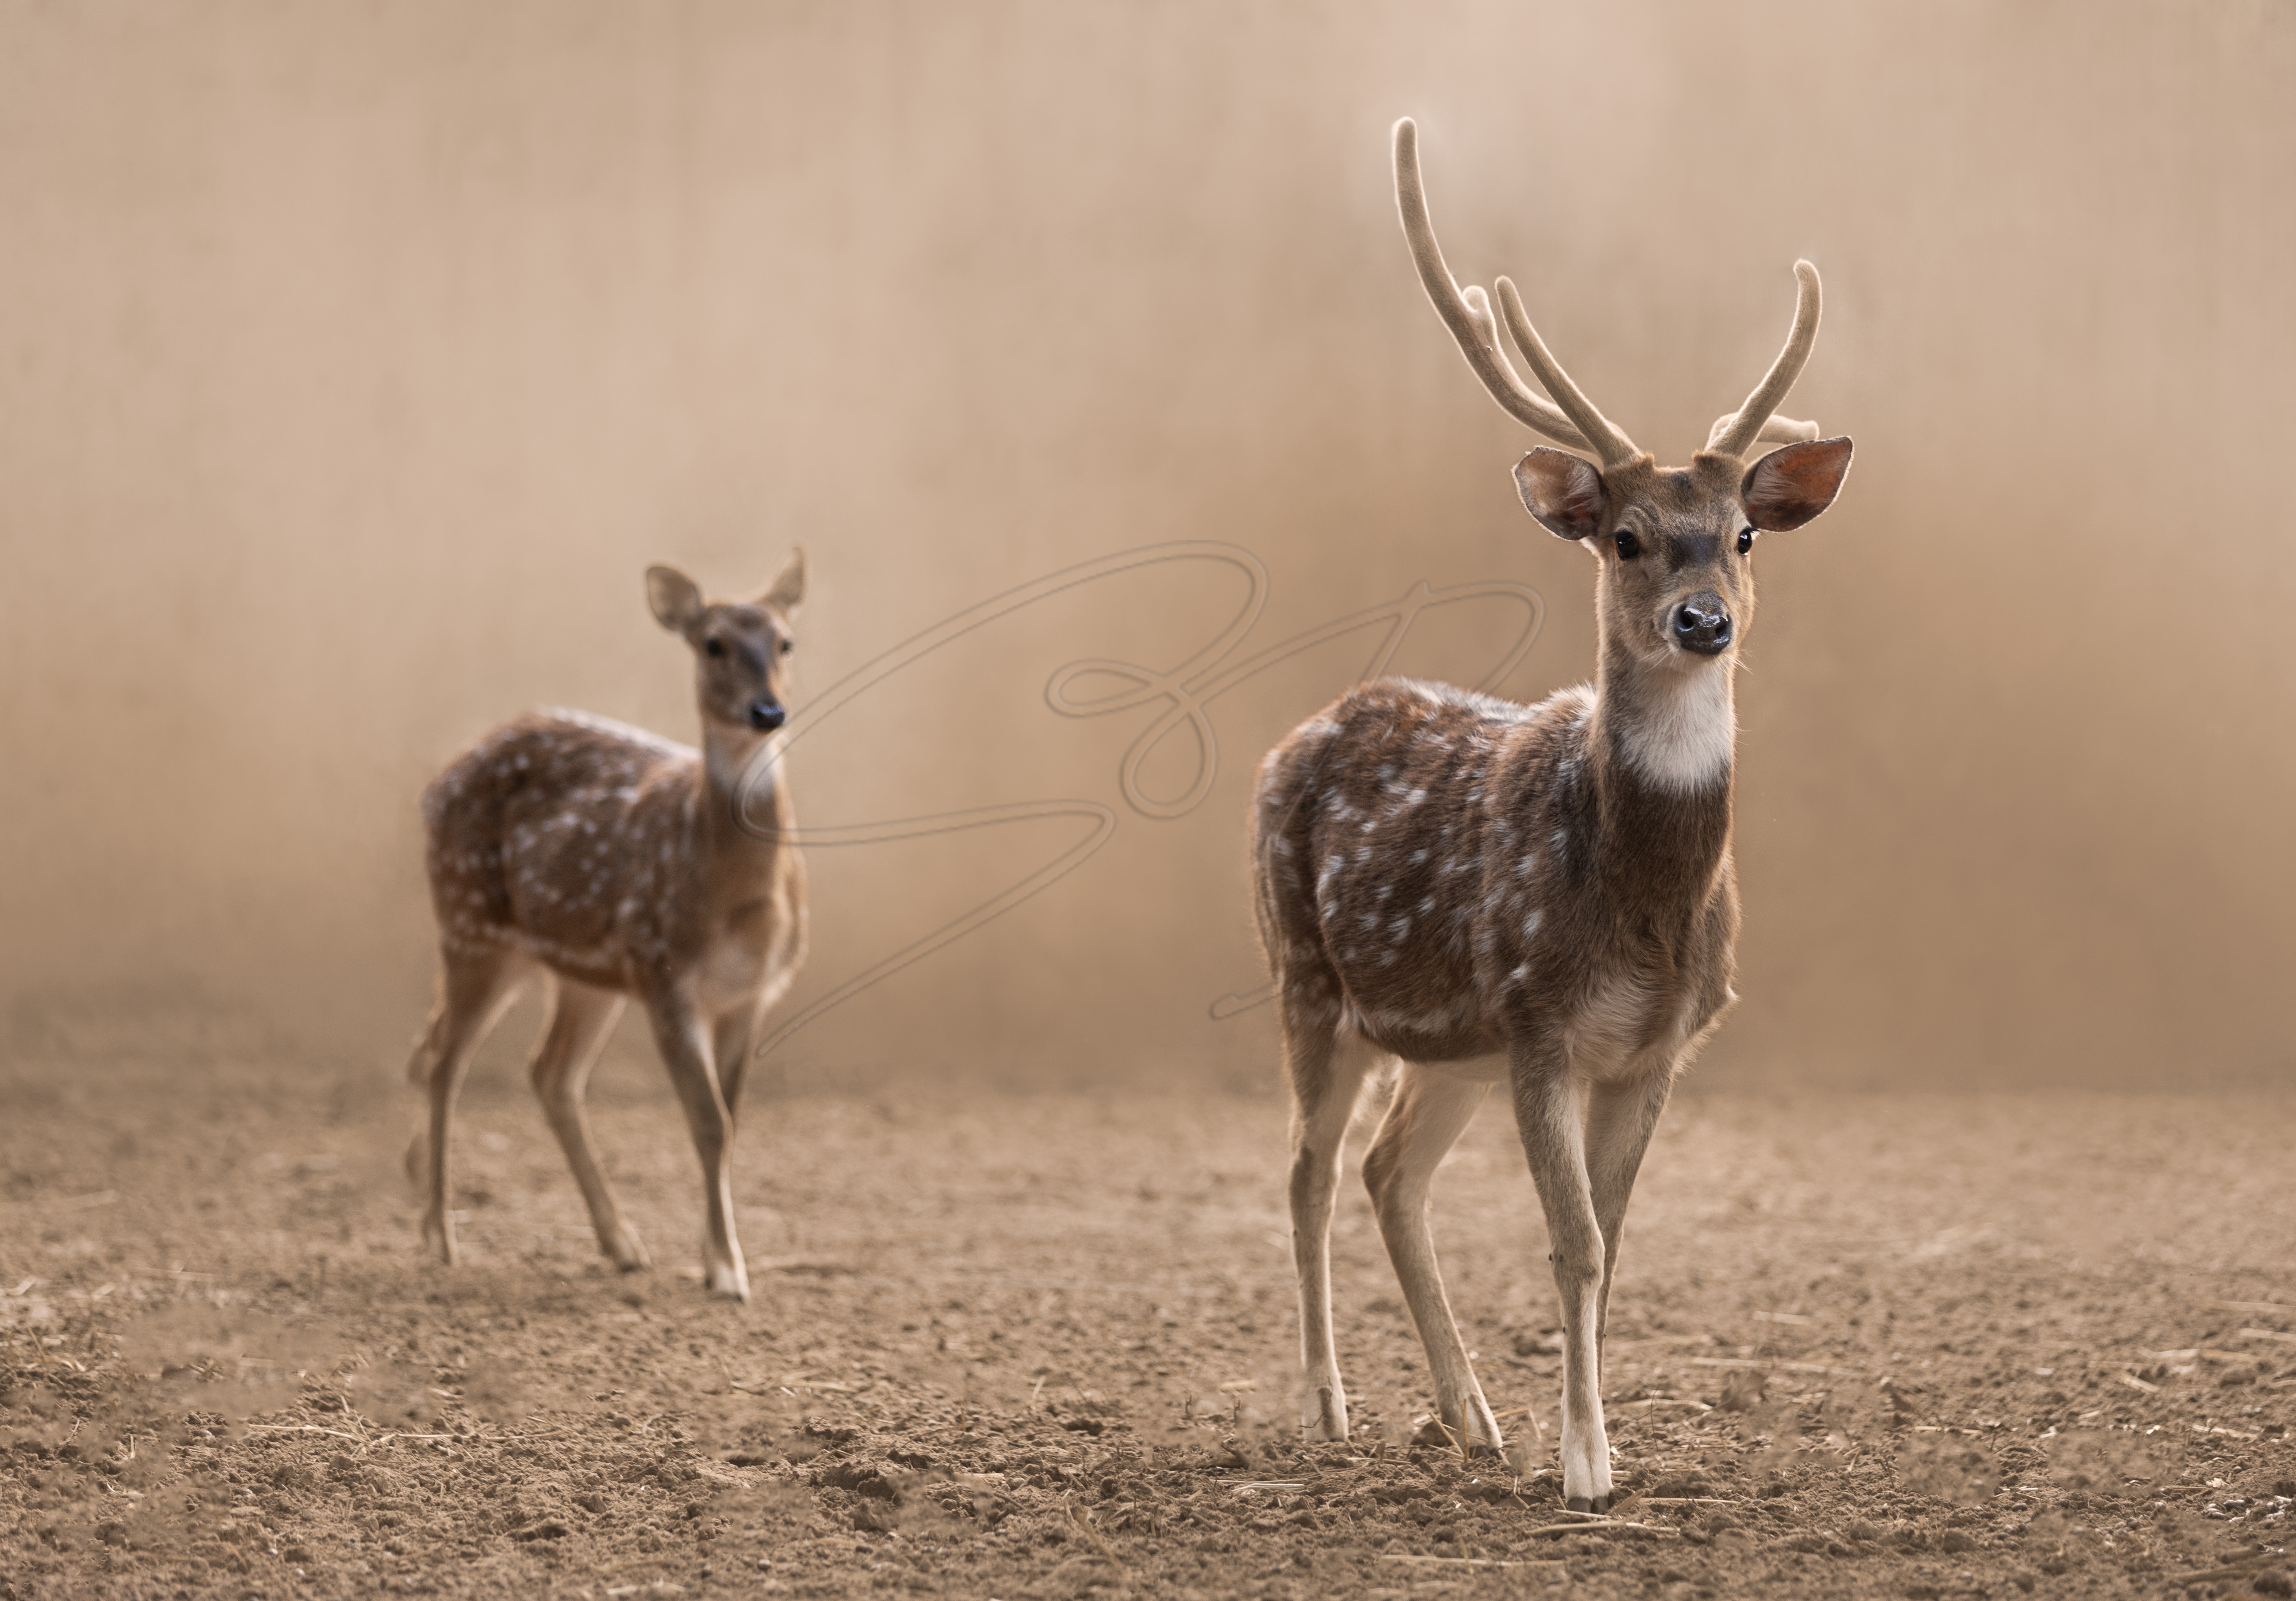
(765, 716)
(1702, 624)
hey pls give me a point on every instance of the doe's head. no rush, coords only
(740, 648)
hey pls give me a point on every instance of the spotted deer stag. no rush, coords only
(608, 863)
(1539, 896)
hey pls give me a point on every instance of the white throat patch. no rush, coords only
(1689, 726)
(747, 768)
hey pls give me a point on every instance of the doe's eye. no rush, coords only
(1745, 540)
(713, 647)
(1629, 547)
(788, 645)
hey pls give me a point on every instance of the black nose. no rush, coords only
(1701, 625)
(765, 716)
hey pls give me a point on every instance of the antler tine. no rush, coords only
(1752, 421)
(1609, 442)
(1777, 431)
(1466, 312)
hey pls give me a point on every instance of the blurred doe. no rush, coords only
(1539, 896)
(609, 863)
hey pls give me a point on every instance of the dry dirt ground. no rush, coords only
(1021, 1346)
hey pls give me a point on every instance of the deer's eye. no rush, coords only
(713, 647)
(1629, 547)
(788, 645)
(1745, 540)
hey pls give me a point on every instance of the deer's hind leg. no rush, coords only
(560, 1075)
(1430, 1110)
(1327, 1077)
(475, 985)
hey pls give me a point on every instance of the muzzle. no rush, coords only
(1701, 625)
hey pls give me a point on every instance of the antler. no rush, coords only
(1608, 439)
(1467, 313)
(1753, 421)
(1575, 422)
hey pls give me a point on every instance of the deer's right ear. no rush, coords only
(675, 599)
(1564, 493)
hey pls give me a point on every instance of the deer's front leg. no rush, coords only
(730, 1050)
(1619, 1121)
(684, 1038)
(1550, 1106)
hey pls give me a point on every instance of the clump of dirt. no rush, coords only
(1044, 1347)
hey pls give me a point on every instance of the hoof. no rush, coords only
(732, 1282)
(1439, 1435)
(626, 1252)
(1594, 1503)
(1327, 1420)
(439, 1243)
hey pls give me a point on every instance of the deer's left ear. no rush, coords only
(1787, 487)
(786, 590)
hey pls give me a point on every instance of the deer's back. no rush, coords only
(569, 834)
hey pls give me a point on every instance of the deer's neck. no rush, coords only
(742, 799)
(1671, 731)
(1662, 751)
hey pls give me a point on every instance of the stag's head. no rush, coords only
(1675, 544)
(740, 648)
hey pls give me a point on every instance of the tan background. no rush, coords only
(354, 361)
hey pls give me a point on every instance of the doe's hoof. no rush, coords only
(624, 1248)
(1597, 1504)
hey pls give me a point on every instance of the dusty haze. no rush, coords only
(354, 363)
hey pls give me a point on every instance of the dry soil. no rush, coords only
(1008, 1346)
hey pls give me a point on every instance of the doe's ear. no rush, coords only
(1561, 491)
(675, 599)
(1788, 487)
(789, 587)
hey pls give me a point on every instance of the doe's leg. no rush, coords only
(1430, 1112)
(474, 988)
(1550, 1105)
(686, 1050)
(730, 1050)
(1327, 1079)
(560, 1075)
